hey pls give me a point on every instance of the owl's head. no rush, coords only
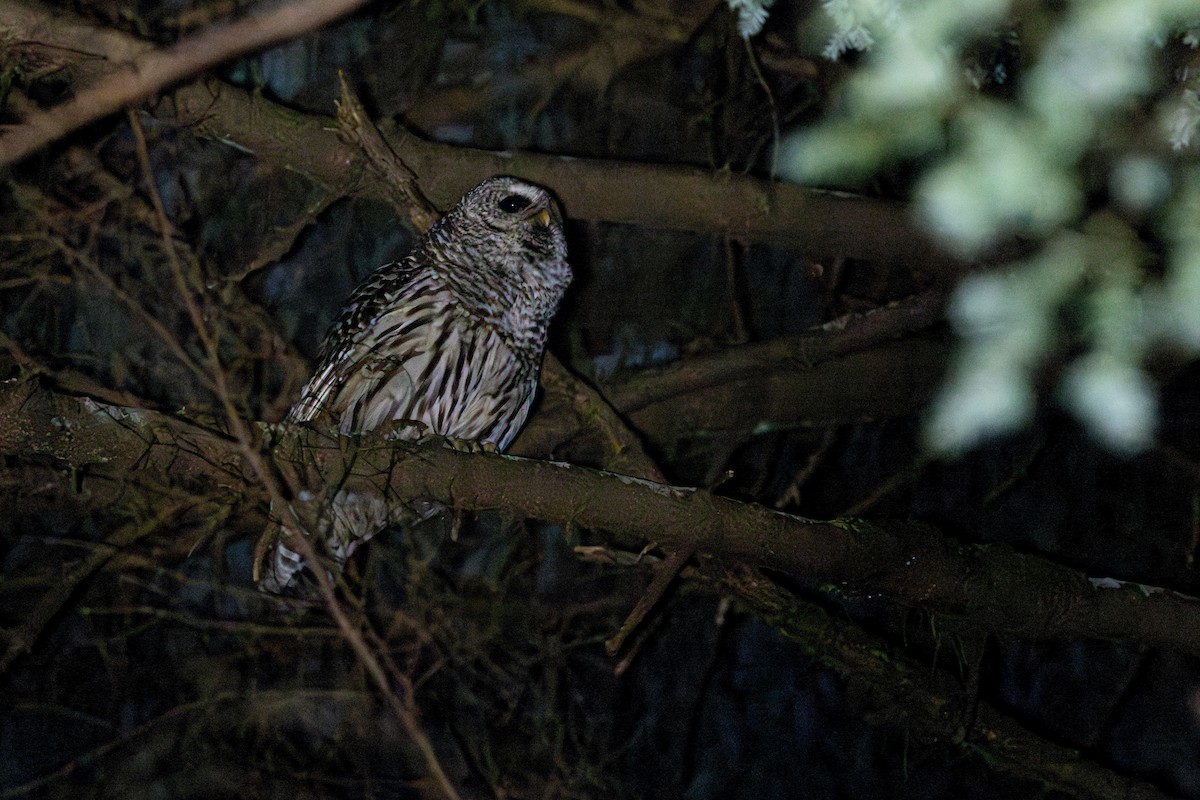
(505, 237)
(513, 211)
(510, 204)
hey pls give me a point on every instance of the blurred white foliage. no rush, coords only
(1114, 400)
(1096, 59)
(752, 15)
(1183, 120)
(1188, 30)
(853, 20)
(970, 198)
(1139, 182)
(992, 169)
(979, 403)
(1003, 320)
(1181, 317)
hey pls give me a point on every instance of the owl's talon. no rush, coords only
(470, 445)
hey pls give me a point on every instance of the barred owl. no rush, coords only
(450, 337)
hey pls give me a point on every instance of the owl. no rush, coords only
(451, 338)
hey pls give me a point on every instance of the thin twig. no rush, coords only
(356, 126)
(900, 479)
(21, 640)
(770, 102)
(404, 709)
(241, 627)
(664, 573)
(791, 495)
(93, 756)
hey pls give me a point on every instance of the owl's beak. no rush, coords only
(542, 218)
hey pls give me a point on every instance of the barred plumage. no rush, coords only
(450, 337)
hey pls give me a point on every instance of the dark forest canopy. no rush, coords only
(869, 419)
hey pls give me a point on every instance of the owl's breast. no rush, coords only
(456, 377)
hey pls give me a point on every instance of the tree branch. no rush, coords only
(356, 127)
(889, 687)
(993, 586)
(154, 70)
(800, 351)
(890, 380)
(822, 224)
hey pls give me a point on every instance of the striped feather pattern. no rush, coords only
(450, 337)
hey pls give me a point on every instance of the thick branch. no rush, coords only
(889, 687)
(671, 197)
(154, 70)
(993, 586)
(798, 352)
(891, 380)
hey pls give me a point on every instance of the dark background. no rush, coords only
(165, 674)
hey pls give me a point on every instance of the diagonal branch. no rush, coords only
(890, 380)
(155, 70)
(356, 127)
(889, 687)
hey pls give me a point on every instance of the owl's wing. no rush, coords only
(406, 348)
(381, 338)
(385, 376)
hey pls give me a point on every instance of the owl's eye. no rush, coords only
(513, 203)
